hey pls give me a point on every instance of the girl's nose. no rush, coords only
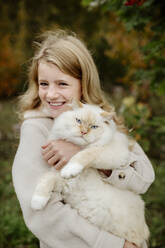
(52, 93)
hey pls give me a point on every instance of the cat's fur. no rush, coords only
(120, 212)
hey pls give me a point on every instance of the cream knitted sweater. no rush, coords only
(58, 225)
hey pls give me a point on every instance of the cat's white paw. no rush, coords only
(38, 202)
(71, 170)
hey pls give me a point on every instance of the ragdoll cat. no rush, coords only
(117, 211)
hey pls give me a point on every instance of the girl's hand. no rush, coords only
(127, 244)
(58, 153)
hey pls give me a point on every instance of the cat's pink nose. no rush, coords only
(83, 132)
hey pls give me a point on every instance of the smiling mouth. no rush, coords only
(56, 104)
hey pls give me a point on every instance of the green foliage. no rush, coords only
(155, 206)
(147, 130)
(149, 18)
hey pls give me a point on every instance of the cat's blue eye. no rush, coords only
(94, 126)
(78, 120)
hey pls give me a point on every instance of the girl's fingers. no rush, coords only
(49, 155)
(48, 146)
(53, 153)
(53, 160)
(44, 146)
(60, 164)
(47, 150)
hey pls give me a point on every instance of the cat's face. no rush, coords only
(87, 126)
(84, 125)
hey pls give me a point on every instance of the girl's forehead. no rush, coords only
(44, 67)
(48, 69)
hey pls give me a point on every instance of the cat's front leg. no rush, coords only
(106, 157)
(71, 169)
(79, 161)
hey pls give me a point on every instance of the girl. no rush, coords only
(63, 69)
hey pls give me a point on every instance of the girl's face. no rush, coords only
(56, 89)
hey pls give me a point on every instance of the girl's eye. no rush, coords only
(43, 84)
(63, 83)
(94, 126)
(78, 120)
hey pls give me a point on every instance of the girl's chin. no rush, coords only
(54, 113)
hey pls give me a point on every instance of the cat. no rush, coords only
(117, 211)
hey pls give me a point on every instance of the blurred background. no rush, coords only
(127, 42)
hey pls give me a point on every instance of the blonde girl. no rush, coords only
(62, 69)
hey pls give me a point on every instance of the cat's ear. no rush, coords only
(75, 104)
(108, 116)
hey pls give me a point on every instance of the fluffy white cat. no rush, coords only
(117, 211)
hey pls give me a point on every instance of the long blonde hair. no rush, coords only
(72, 57)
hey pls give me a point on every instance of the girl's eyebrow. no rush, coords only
(55, 81)
(42, 80)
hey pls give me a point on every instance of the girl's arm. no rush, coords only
(57, 225)
(137, 176)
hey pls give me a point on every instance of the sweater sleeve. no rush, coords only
(57, 225)
(137, 176)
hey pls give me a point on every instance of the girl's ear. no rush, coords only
(75, 104)
(108, 116)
